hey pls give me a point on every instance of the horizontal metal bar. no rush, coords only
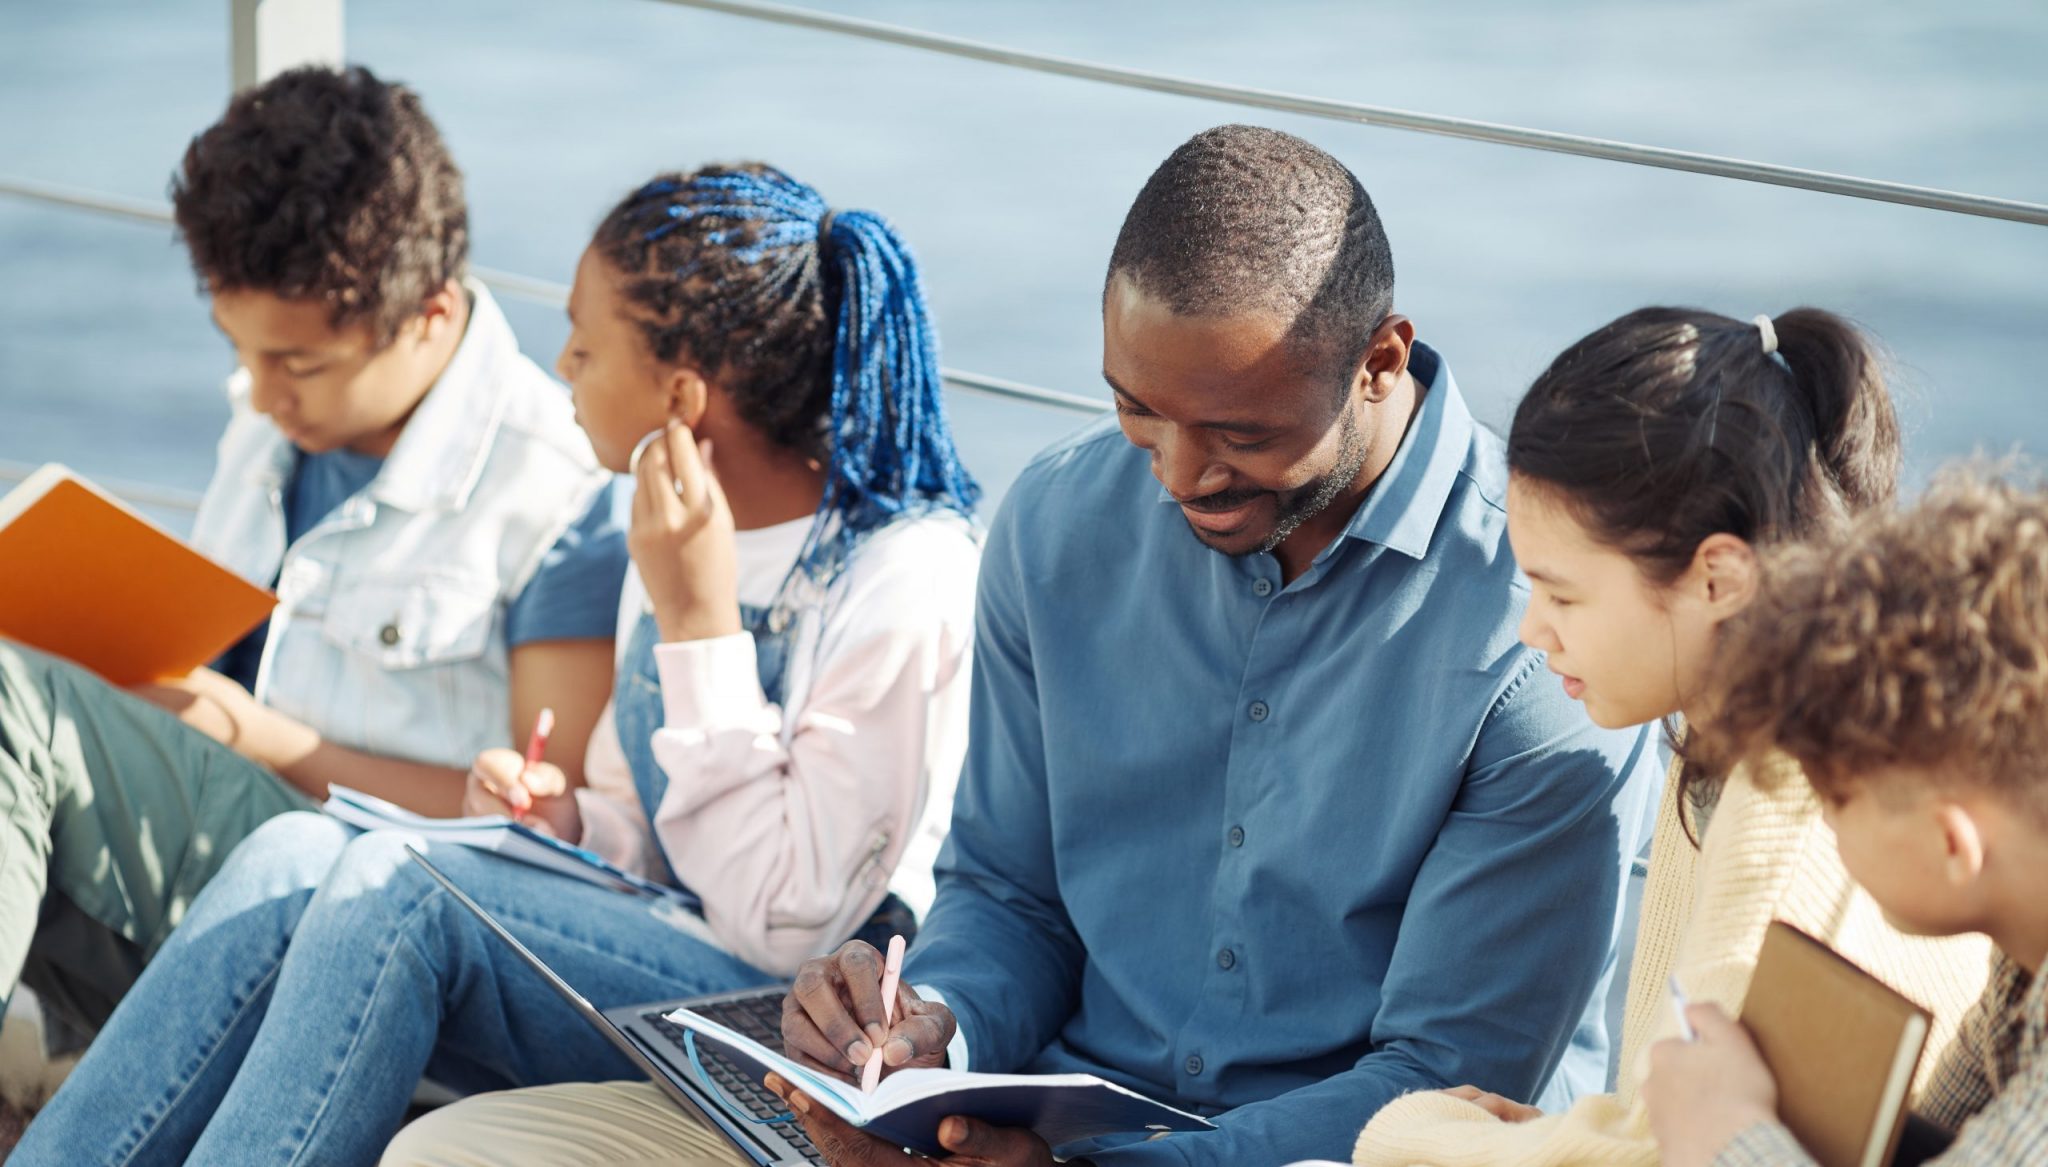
(1386, 116)
(524, 288)
(1019, 391)
(135, 494)
(141, 210)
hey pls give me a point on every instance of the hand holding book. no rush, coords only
(1704, 1092)
(968, 1142)
(1823, 1047)
(834, 1017)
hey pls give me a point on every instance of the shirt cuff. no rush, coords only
(709, 682)
(956, 1050)
(1764, 1144)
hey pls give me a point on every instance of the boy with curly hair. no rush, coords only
(440, 537)
(1904, 666)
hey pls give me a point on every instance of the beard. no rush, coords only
(1294, 507)
(1313, 497)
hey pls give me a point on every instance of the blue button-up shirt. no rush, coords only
(1278, 854)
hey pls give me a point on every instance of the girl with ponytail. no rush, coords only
(787, 721)
(1648, 465)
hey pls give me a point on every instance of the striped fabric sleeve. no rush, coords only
(1961, 1084)
(2012, 1128)
(1767, 1144)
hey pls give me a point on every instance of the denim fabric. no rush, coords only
(570, 596)
(1278, 850)
(636, 697)
(390, 631)
(290, 1017)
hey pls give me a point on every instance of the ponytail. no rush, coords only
(891, 447)
(814, 323)
(1856, 432)
(1672, 424)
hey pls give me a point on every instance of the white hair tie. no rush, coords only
(1770, 334)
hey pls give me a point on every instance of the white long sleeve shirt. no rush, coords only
(793, 821)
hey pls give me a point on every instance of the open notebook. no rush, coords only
(500, 836)
(908, 1106)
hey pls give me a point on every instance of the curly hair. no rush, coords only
(1246, 219)
(1916, 638)
(325, 184)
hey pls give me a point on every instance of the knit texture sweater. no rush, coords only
(1766, 855)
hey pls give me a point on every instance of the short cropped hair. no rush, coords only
(325, 184)
(1244, 219)
(1914, 639)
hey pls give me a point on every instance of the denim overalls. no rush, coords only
(637, 710)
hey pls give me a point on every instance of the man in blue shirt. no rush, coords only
(1266, 813)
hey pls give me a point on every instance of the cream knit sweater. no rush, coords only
(1767, 855)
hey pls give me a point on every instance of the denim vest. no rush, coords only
(637, 710)
(389, 633)
(637, 707)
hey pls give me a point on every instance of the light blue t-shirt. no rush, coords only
(573, 595)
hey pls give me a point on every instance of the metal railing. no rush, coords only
(518, 286)
(137, 494)
(250, 62)
(1389, 117)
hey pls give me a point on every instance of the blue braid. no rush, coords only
(891, 449)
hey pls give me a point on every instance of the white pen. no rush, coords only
(1679, 1002)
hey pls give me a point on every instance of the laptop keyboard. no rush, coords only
(758, 1017)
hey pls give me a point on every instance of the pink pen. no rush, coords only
(536, 745)
(892, 974)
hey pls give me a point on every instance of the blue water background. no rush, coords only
(1011, 185)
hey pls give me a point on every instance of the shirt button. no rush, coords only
(1262, 587)
(1194, 1065)
(1237, 836)
(1226, 960)
(1258, 711)
(389, 635)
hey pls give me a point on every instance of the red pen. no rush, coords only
(536, 745)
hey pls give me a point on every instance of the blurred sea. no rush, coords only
(1011, 185)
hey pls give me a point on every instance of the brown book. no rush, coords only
(84, 577)
(1842, 1045)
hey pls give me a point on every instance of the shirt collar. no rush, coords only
(441, 452)
(1401, 510)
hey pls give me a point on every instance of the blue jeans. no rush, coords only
(322, 972)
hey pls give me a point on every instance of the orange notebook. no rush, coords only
(1842, 1045)
(84, 577)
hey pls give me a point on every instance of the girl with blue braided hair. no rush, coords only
(788, 719)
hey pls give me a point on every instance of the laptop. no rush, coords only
(754, 1121)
